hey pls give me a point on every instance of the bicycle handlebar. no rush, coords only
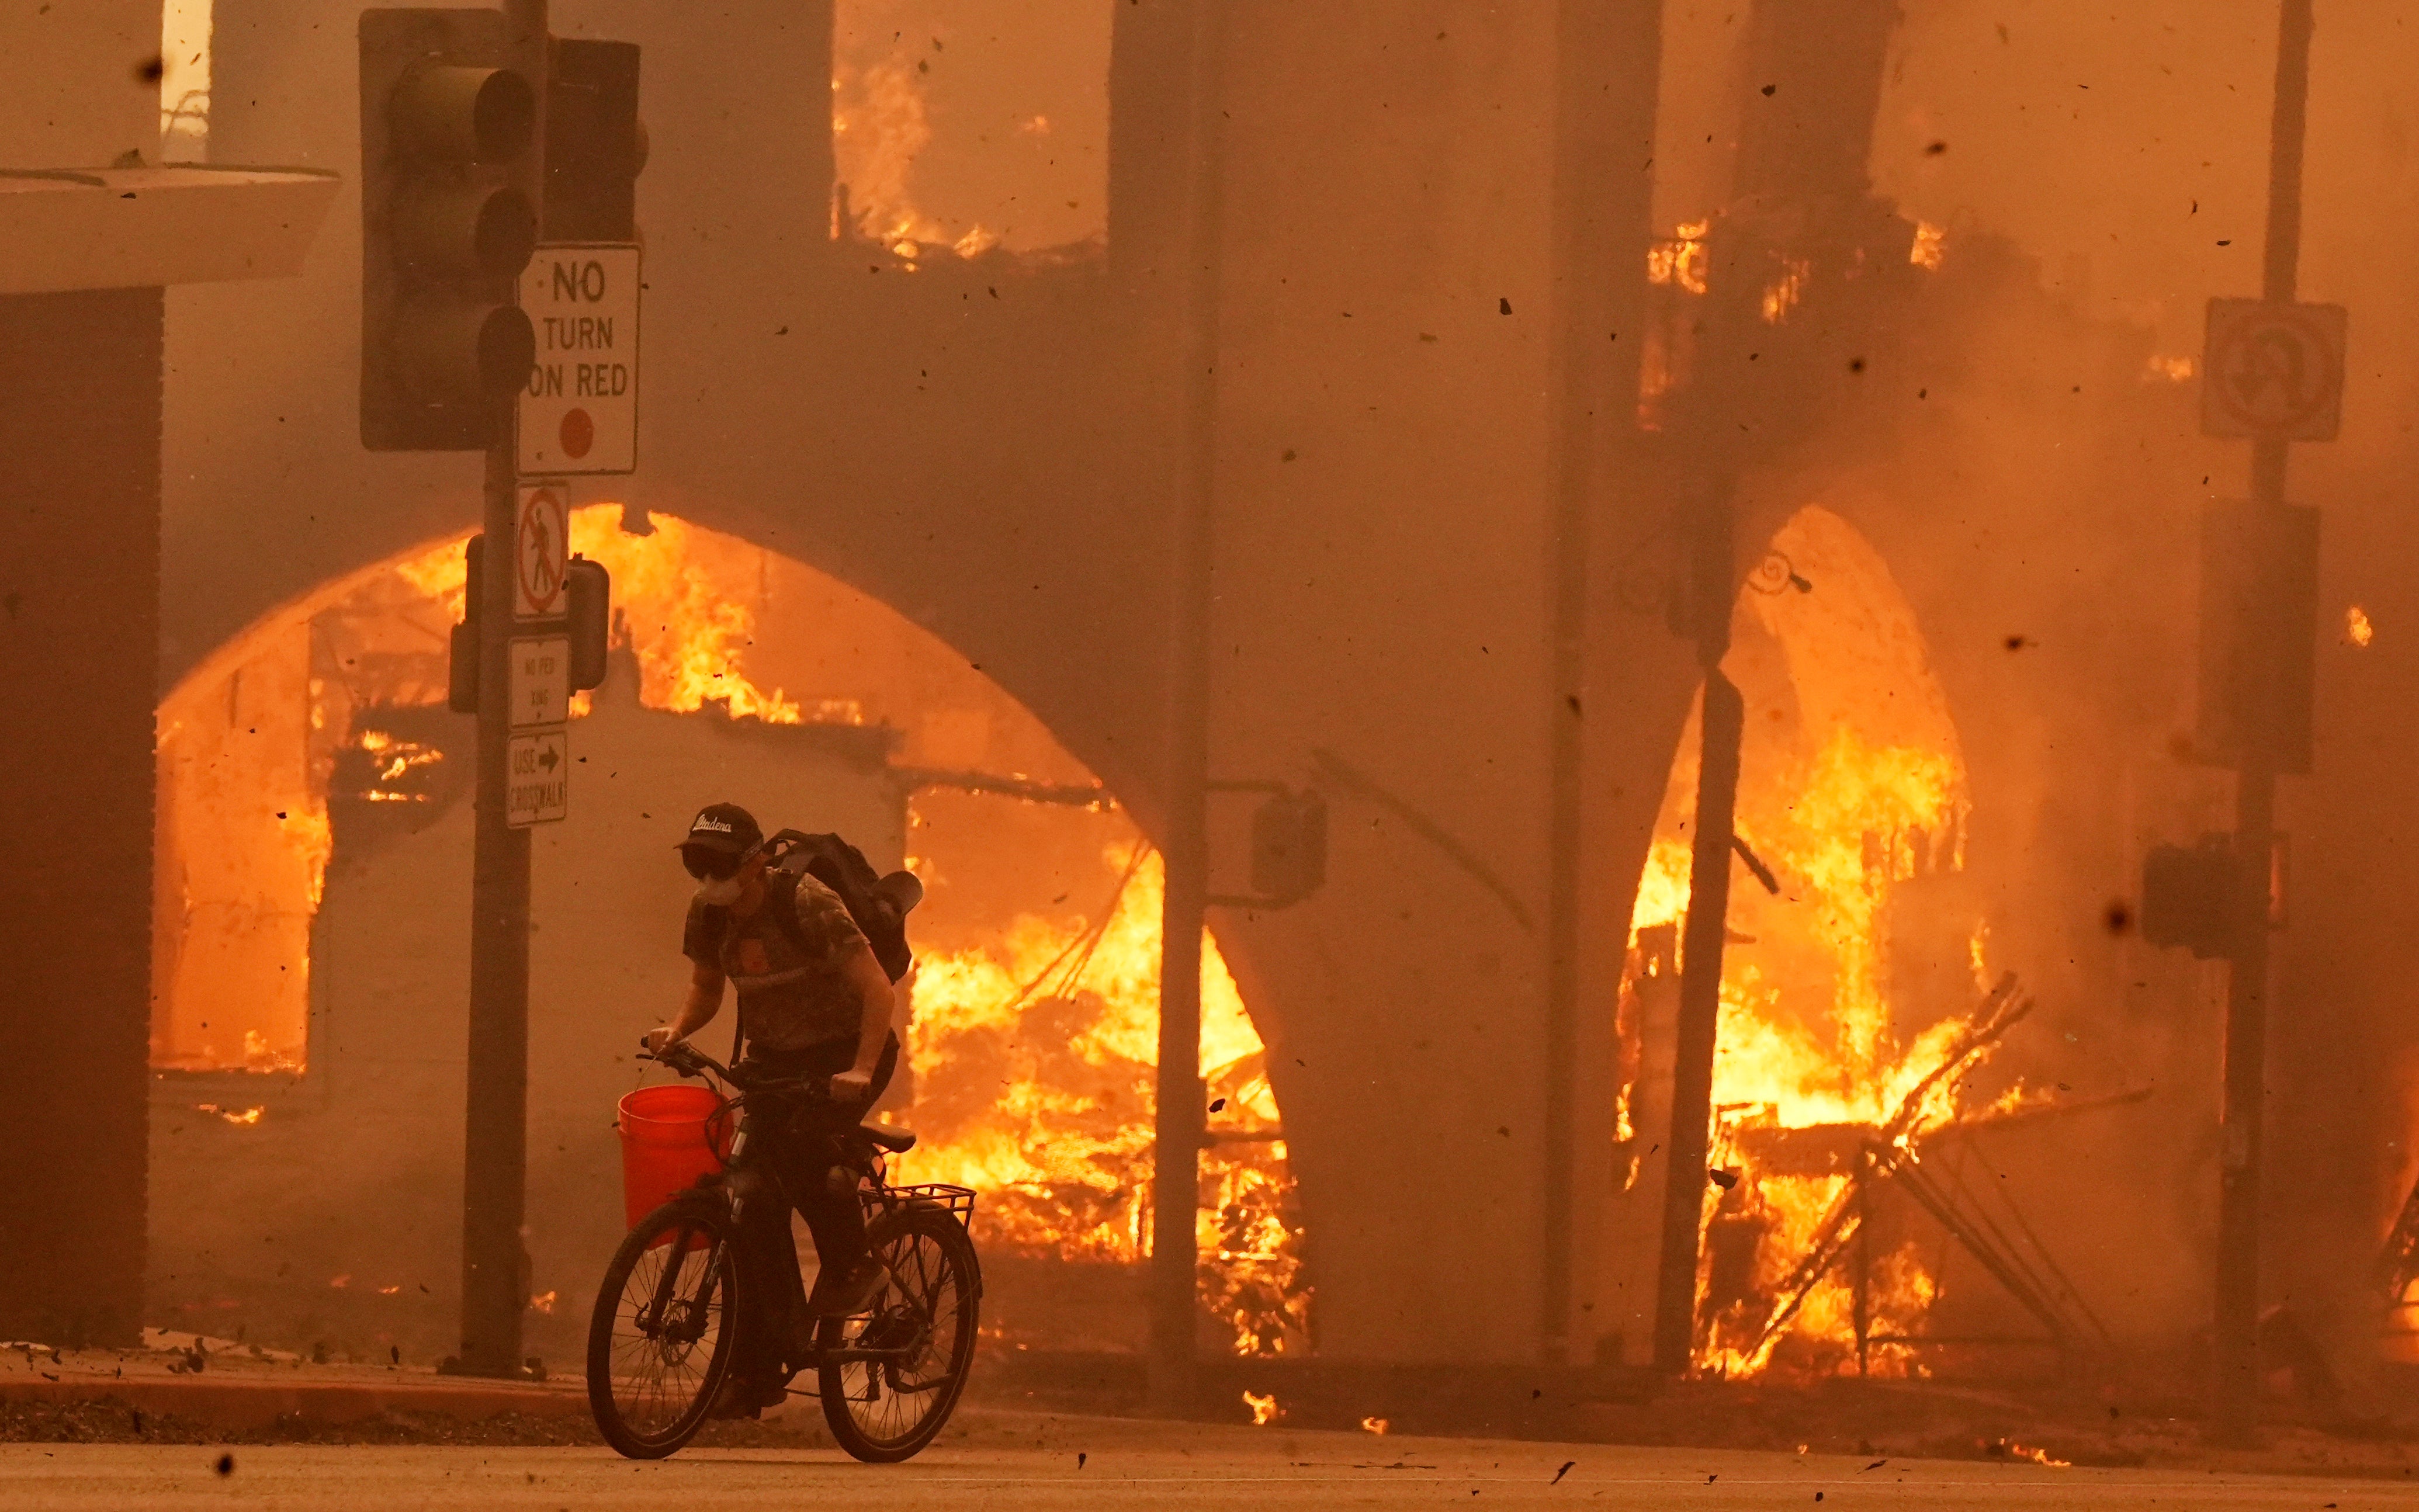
(689, 1060)
(685, 1058)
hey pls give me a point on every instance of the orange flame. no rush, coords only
(1034, 1060)
(1864, 792)
(880, 127)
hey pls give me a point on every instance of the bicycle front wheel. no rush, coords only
(890, 1376)
(659, 1341)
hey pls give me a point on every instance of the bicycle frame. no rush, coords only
(733, 1188)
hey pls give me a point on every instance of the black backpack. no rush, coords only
(879, 905)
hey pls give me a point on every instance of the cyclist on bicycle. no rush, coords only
(815, 1003)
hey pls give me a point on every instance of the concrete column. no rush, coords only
(79, 661)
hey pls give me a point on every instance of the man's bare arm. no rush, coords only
(873, 985)
(697, 1009)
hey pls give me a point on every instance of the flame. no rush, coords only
(543, 1303)
(395, 760)
(2168, 369)
(1865, 792)
(2017, 1451)
(244, 1118)
(1265, 1410)
(1930, 248)
(2356, 626)
(389, 1291)
(1783, 294)
(1374, 1425)
(675, 580)
(1035, 1061)
(1680, 261)
(880, 127)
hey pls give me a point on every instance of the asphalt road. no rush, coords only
(1159, 1467)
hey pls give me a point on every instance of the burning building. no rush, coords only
(314, 837)
(912, 424)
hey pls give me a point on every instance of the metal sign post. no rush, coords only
(2272, 371)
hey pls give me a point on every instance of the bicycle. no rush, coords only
(677, 1298)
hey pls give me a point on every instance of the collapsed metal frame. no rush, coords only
(2013, 1256)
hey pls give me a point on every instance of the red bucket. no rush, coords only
(671, 1136)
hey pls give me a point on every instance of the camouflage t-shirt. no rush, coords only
(793, 988)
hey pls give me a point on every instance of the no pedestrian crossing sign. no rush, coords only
(541, 552)
(579, 413)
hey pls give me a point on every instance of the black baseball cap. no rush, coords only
(724, 829)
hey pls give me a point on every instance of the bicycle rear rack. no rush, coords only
(957, 1201)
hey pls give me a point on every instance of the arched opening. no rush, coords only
(312, 864)
(1845, 982)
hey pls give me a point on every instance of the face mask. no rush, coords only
(721, 891)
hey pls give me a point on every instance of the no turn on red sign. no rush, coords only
(579, 413)
(2273, 371)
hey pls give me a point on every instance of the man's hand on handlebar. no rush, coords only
(654, 1041)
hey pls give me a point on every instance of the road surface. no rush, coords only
(1162, 1468)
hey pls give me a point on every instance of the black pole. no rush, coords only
(2235, 1390)
(1700, 988)
(494, 1124)
(1184, 842)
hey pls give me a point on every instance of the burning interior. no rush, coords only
(1840, 1232)
(953, 135)
(313, 807)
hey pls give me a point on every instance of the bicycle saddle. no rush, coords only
(897, 1141)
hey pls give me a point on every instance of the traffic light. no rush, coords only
(1290, 847)
(448, 223)
(462, 665)
(595, 145)
(2188, 897)
(588, 616)
(587, 620)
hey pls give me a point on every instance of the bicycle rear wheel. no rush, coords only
(660, 1340)
(902, 1364)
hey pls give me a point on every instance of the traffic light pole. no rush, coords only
(495, 1155)
(495, 1287)
(2235, 1358)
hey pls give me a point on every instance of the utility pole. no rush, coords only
(2235, 1390)
(1185, 846)
(1721, 726)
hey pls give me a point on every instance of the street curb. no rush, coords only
(260, 1404)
